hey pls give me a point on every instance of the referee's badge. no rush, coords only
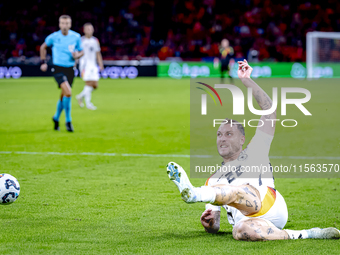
(71, 47)
(243, 156)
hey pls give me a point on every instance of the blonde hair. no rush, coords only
(239, 125)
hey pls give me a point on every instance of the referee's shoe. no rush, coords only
(56, 124)
(69, 127)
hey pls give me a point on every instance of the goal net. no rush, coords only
(323, 54)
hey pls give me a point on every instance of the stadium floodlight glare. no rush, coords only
(323, 54)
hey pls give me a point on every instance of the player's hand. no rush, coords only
(101, 68)
(207, 219)
(244, 69)
(43, 67)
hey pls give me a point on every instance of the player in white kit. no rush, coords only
(255, 209)
(88, 66)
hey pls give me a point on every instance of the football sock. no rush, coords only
(297, 234)
(59, 110)
(205, 194)
(67, 107)
(88, 92)
(83, 92)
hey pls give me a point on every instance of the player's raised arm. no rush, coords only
(264, 101)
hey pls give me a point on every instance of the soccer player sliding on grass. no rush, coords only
(254, 207)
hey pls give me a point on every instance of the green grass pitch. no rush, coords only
(120, 204)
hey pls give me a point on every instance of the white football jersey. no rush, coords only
(90, 46)
(251, 167)
(256, 155)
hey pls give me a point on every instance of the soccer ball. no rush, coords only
(9, 189)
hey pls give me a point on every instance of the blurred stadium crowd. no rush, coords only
(259, 30)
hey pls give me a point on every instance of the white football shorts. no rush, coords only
(273, 209)
(90, 73)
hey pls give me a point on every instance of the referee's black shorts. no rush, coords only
(62, 74)
(224, 66)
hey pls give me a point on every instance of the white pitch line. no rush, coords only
(303, 157)
(147, 155)
(103, 154)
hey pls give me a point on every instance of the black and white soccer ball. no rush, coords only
(9, 189)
